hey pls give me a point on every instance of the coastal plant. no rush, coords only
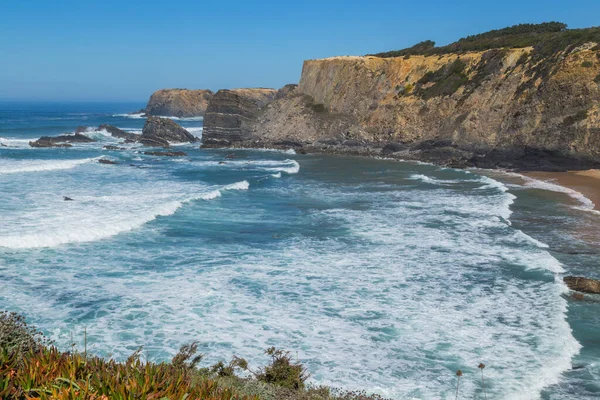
(481, 366)
(587, 64)
(16, 337)
(458, 375)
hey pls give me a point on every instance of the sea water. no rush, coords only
(379, 275)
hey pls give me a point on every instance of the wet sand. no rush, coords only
(585, 182)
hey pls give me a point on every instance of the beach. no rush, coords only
(585, 182)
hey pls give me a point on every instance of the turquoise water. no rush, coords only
(383, 275)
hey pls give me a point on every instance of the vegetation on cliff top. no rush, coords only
(31, 368)
(547, 39)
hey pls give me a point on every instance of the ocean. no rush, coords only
(379, 275)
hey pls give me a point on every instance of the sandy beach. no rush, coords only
(585, 182)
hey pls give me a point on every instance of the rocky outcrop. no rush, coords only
(492, 108)
(60, 141)
(160, 132)
(496, 108)
(166, 153)
(178, 103)
(230, 114)
(583, 285)
(117, 133)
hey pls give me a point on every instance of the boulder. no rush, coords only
(61, 141)
(159, 132)
(105, 161)
(109, 147)
(166, 153)
(584, 285)
(391, 148)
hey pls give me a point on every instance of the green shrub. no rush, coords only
(16, 337)
(546, 38)
(573, 119)
(587, 64)
(318, 108)
(283, 371)
(597, 79)
(523, 59)
(446, 80)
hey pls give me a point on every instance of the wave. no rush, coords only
(15, 167)
(75, 231)
(586, 204)
(428, 179)
(15, 143)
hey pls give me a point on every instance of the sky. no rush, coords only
(124, 50)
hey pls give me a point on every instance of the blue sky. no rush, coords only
(124, 50)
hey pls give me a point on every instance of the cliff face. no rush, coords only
(231, 112)
(179, 102)
(499, 100)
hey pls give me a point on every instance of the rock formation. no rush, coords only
(60, 141)
(178, 103)
(583, 285)
(230, 113)
(166, 153)
(160, 132)
(506, 108)
(117, 133)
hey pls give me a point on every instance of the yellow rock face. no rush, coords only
(500, 99)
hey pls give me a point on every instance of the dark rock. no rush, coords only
(109, 147)
(118, 133)
(391, 148)
(288, 143)
(166, 153)
(329, 141)
(584, 285)
(209, 142)
(105, 161)
(353, 143)
(65, 198)
(60, 141)
(159, 132)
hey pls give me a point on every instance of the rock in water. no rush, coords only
(118, 133)
(178, 103)
(66, 198)
(105, 161)
(581, 284)
(159, 132)
(230, 114)
(61, 141)
(166, 153)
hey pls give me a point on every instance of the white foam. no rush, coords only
(586, 203)
(91, 218)
(243, 185)
(26, 166)
(277, 175)
(15, 143)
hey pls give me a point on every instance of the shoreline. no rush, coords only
(585, 182)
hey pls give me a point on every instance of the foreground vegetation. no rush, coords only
(546, 39)
(32, 368)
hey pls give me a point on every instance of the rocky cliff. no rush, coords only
(178, 102)
(230, 114)
(495, 108)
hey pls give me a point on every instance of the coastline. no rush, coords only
(586, 182)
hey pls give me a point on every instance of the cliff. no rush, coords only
(178, 103)
(533, 107)
(230, 113)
